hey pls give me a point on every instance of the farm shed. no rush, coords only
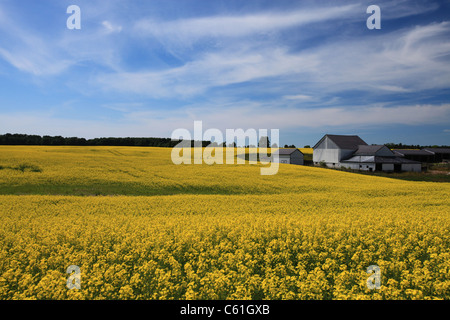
(292, 156)
(375, 163)
(416, 155)
(352, 152)
(439, 154)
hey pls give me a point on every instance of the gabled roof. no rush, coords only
(439, 150)
(365, 150)
(287, 151)
(344, 142)
(409, 152)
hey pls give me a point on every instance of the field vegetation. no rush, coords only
(140, 227)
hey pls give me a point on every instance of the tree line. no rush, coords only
(393, 145)
(36, 140)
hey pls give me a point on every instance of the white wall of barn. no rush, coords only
(326, 151)
(330, 153)
(331, 156)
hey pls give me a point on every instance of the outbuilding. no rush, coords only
(439, 154)
(291, 156)
(423, 156)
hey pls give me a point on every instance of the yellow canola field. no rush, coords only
(214, 232)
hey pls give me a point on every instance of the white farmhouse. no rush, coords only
(352, 152)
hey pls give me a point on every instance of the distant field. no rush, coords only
(306, 150)
(307, 153)
(140, 227)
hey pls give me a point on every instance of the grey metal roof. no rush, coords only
(407, 152)
(366, 150)
(439, 150)
(345, 142)
(287, 151)
(397, 160)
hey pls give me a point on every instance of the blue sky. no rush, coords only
(307, 68)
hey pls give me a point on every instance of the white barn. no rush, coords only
(332, 149)
(352, 152)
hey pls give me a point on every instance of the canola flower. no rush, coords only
(160, 231)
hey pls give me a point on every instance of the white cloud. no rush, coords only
(298, 97)
(110, 28)
(124, 106)
(254, 115)
(246, 115)
(41, 63)
(393, 88)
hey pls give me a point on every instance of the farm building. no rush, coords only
(352, 152)
(439, 154)
(416, 155)
(292, 156)
(426, 155)
(332, 149)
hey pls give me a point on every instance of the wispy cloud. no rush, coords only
(392, 88)
(237, 25)
(110, 27)
(299, 97)
(124, 106)
(38, 53)
(406, 8)
(27, 51)
(211, 70)
(397, 62)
